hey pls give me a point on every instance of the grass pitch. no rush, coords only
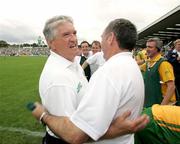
(19, 77)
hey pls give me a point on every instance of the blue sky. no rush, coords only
(22, 21)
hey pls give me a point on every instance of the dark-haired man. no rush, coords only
(85, 54)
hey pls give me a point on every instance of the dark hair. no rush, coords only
(84, 42)
(96, 42)
(124, 31)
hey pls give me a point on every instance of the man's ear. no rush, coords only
(110, 38)
(50, 44)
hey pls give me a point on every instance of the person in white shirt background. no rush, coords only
(95, 47)
(97, 59)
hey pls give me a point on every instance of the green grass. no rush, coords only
(19, 78)
(18, 138)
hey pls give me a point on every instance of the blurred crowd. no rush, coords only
(37, 51)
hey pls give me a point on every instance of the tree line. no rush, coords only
(4, 44)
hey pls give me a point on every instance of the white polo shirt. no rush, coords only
(61, 86)
(115, 87)
(95, 61)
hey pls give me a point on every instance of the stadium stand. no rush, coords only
(167, 28)
(36, 51)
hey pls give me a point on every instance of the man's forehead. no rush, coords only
(66, 26)
(150, 43)
(85, 44)
(178, 43)
(95, 44)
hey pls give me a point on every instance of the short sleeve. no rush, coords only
(166, 71)
(91, 59)
(97, 108)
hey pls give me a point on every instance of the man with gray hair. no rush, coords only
(62, 83)
(158, 76)
(79, 111)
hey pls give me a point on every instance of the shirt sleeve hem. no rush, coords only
(85, 127)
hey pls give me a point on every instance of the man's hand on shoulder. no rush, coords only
(122, 125)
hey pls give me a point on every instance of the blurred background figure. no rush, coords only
(95, 47)
(96, 60)
(174, 58)
(141, 56)
(85, 47)
(158, 76)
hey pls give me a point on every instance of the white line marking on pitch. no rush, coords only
(23, 131)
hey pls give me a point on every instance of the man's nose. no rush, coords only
(73, 37)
